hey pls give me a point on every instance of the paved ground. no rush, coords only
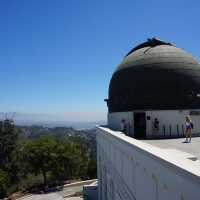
(59, 195)
(192, 148)
(68, 190)
(51, 196)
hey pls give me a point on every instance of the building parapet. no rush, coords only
(132, 169)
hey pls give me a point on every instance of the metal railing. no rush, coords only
(167, 130)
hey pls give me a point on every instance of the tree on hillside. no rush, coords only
(62, 160)
(8, 139)
(72, 161)
(41, 156)
(87, 167)
(3, 183)
(52, 159)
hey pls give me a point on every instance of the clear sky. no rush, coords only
(57, 56)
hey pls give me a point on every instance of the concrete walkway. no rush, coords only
(179, 144)
(67, 190)
(51, 196)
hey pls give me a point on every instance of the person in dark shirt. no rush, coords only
(156, 124)
(124, 126)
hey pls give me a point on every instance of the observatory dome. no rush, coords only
(155, 75)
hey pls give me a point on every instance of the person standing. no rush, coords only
(188, 126)
(124, 126)
(156, 125)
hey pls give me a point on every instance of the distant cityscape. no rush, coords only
(52, 124)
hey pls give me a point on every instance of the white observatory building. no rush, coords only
(155, 81)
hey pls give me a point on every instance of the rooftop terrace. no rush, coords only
(176, 145)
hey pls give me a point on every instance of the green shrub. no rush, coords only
(3, 183)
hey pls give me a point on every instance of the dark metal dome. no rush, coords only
(155, 75)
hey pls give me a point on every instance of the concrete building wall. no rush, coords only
(172, 122)
(114, 120)
(129, 169)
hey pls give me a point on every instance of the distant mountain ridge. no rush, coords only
(36, 131)
(62, 133)
(52, 124)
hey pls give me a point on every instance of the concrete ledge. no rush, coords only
(138, 165)
(157, 153)
(80, 183)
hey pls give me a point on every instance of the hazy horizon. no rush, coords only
(87, 117)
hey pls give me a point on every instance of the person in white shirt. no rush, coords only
(188, 126)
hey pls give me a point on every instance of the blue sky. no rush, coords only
(57, 56)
